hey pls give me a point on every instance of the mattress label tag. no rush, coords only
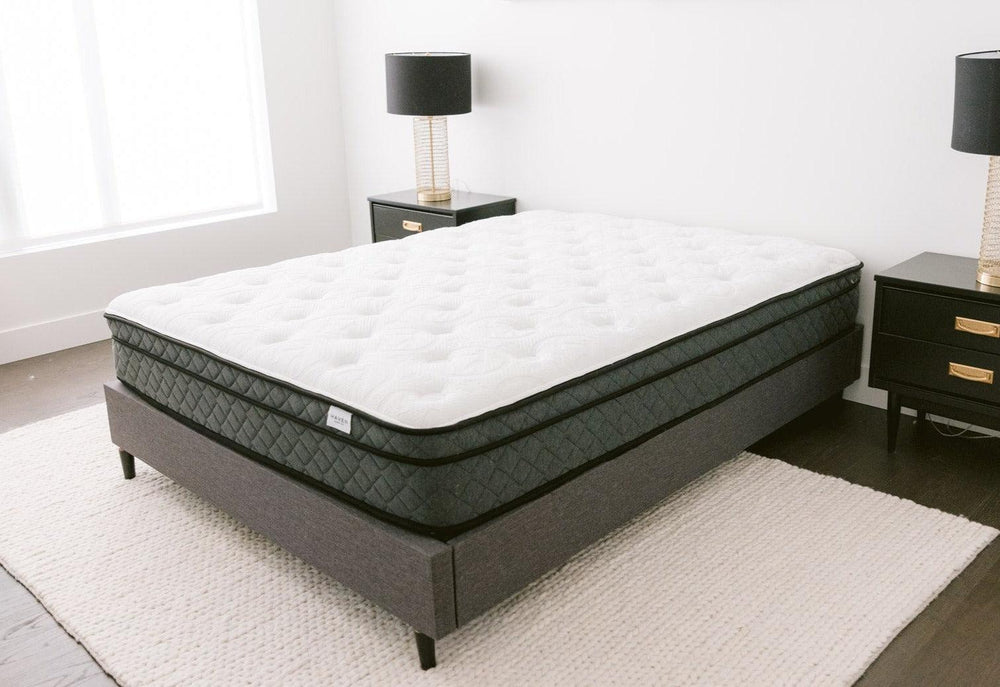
(339, 419)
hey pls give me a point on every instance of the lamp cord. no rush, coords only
(946, 429)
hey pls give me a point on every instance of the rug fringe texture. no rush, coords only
(758, 573)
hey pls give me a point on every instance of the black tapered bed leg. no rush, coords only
(128, 464)
(425, 649)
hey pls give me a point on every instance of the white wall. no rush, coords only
(54, 299)
(824, 120)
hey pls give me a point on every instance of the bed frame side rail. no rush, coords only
(499, 558)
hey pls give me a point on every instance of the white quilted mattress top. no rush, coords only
(449, 324)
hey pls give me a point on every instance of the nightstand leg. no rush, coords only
(892, 420)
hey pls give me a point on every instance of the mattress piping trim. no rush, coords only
(448, 532)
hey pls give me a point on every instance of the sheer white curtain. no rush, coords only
(123, 116)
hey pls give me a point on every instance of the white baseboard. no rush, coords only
(860, 392)
(48, 337)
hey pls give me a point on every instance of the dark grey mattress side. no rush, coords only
(444, 480)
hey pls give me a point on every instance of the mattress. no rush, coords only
(439, 380)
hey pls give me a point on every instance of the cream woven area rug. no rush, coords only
(758, 573)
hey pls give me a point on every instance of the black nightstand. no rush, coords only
(936, 341)
(398, 215)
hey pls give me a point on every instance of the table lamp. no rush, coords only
(976, 129)
(429, 86)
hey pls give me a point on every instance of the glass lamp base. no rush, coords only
(989, 249)
(430, 147)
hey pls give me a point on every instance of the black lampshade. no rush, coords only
(428, 83)
(976, 128)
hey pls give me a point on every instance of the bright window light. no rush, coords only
(120, 117)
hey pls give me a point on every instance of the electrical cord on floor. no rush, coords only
(946, 429)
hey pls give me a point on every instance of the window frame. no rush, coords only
(98, 121)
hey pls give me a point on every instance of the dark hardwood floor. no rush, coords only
(955, 641)
(37, 388)
(34, 649)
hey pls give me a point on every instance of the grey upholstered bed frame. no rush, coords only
(438, 586)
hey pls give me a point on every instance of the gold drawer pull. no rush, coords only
(410, 225)
(978, 327)
(972, 374)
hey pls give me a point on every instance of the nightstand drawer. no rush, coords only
(945, 320)
(397, 223)
(937, 367)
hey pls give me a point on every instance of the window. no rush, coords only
(120, 117)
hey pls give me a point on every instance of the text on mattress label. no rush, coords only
(339, 419)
